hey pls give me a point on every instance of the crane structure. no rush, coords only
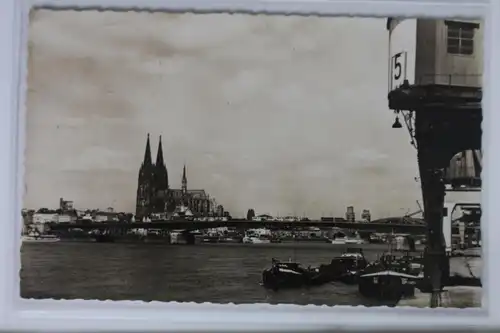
(437, 117)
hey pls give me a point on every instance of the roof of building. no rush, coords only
(193, 193)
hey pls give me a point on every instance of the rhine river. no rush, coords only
(220, 273)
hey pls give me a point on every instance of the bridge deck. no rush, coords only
(193, 225)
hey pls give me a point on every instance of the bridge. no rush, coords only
(244, 224)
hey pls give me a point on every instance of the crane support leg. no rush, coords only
(436, 261)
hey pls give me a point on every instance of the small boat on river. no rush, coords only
(33, 237)
(345, 268)
(387, 285)
(287, 275)
(391, 277)
(256, 240)
(354, 263)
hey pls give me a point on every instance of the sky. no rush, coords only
(285, 115)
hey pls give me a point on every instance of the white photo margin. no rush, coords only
(78, 315)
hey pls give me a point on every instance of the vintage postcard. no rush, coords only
(253, 159)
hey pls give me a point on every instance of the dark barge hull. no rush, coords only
(343, 269)
(385, 288)
(276, 281)
(290, 275)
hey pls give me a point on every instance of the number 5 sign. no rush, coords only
(398, 70)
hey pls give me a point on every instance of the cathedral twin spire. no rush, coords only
(159, 170)
(159, 155)
(147, 154)
(153, 182)
(155, 174)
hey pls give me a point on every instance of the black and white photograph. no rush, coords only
(234, 158)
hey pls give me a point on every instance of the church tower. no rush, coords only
(145, 184)
(161, 173)
(160, 181)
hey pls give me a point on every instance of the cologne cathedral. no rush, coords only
(154, 196)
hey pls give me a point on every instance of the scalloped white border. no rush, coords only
(79, 315)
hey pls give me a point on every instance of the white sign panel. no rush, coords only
(402, 50)
(398, 70)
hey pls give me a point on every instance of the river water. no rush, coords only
(220, 273)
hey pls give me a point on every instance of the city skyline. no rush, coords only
(148, 156)
(270, 134)
(402, 210)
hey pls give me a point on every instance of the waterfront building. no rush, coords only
(154, 194)
(265, 217)
(37, 221)
(45, 217)
(105, 216)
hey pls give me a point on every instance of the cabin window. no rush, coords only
(460, 39)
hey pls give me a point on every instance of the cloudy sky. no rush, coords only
(285, 115)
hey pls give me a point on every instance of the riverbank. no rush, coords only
(302, 244)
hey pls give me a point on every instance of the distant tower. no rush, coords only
(184, 180)
(145, 184)
(184, 186)
(350, 215)
(366, 216)
(220, 211)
